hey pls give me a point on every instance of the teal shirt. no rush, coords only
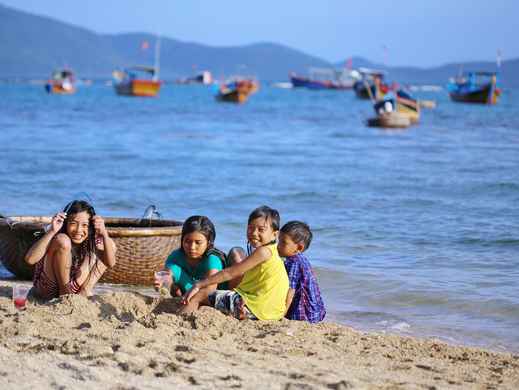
(185, 276)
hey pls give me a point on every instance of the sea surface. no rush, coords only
(416, 231)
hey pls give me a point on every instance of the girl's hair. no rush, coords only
(267, 213)
(298, 232)
(270, 215)
(202, 225)
(87, 247)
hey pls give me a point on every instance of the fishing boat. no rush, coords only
(366, 87)
(136, 81)
(389, 120)
(205, 77)
(474, 87)
(407, 105)
(323, 78)
(139, 80)
(62, 82)
(396, 110)
(237, 91)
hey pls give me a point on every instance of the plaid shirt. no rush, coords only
(307, 304)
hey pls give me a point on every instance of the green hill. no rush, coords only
(33, 46)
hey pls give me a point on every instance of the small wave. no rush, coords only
(486, 242)
(401, 327)
(505, 186)
(372, 320)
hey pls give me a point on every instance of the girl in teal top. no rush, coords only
(186, 275)
(196, 259)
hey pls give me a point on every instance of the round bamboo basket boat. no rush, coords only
(142, 246)
(390, 120)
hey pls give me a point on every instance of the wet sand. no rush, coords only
(127, 340)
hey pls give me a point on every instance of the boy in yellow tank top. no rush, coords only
(262, 291)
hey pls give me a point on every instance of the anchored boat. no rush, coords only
(371, 85)
(139, 80)
(62, 82)
(396, 110)
(324, 78)
(475, 87)
(237, 91)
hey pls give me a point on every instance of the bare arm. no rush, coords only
(40, 247)
(105, 251)
(210, 273)
(290, 296)
(257, 257)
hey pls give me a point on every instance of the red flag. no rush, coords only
(145, 45)
(349, 63)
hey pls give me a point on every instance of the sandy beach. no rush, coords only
(127, 340)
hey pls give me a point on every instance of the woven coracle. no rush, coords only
(142, 246)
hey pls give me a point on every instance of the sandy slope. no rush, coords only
(131, 341)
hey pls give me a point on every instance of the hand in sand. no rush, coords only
(190, 294)
(176, 291)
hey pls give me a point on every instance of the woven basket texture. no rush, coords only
(142, 246)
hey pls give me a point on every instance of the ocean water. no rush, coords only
(416, 231)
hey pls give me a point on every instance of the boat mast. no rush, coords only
(156, 66)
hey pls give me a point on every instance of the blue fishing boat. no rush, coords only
(324, 78)
(474, 87)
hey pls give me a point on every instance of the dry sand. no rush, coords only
(126, 340)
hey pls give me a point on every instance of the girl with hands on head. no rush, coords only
(73, 254)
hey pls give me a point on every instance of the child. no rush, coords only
(196, 258)
(261, 293)
(73, 254)
(304, 298)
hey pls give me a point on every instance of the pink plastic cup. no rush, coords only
(20, 293)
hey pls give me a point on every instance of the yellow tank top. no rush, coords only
(264, 288)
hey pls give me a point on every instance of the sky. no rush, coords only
(421, 33)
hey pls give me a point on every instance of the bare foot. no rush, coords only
(241, 310)
(86, 292)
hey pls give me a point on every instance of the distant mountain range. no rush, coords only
(32, 46)
(508, 73)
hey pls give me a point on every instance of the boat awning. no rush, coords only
(148, 69)
(483, 73)
(62, 74)
(373, 72)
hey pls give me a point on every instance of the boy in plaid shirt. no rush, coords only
(304, 300)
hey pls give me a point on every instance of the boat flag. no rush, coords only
(349, 63)
(145, 45)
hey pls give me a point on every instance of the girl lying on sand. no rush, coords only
(262, 291)
(73, 254)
